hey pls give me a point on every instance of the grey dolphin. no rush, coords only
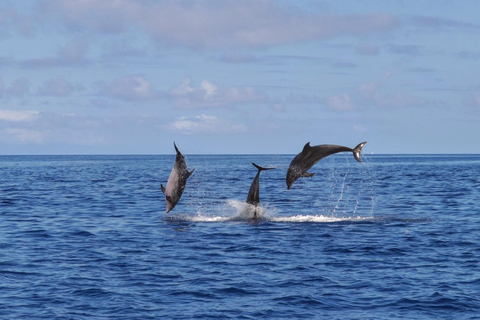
(253, 197)
(311, 155)
(176, 181)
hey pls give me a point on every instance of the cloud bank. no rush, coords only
(213, 24)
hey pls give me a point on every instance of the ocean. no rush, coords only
(87, 237)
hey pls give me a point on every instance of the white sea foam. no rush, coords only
(235, 210)
(318, 219)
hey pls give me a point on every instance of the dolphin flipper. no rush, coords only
(163, 188)
(189, 174)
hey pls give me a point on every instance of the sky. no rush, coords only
(238, 77)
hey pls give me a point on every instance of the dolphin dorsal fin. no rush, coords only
(306, 147)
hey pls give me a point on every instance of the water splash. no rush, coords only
(349, 188)
(235, 210)
(231, 210)
(319, 219)
(343, 192)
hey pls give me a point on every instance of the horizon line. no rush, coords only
(213, 154)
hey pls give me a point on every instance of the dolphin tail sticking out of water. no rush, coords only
(358, 150)
(262, 168)
(176, 181)
(311, 155)
(253, 197)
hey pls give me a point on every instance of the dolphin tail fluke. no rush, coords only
(308, 175)
(358, 150)
(262, 168)
(163, 188)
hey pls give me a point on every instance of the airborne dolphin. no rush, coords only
(176, 181)
(253, 197)
(311, 155)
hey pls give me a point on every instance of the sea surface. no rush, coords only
(87, 237)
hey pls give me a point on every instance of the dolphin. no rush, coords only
(311, 155)
(253, 197)
(176, 181)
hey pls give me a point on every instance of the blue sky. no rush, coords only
(131, 77)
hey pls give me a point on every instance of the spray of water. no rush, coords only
(350, 197)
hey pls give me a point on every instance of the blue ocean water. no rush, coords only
(87, 237)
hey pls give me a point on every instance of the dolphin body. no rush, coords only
(311, 155)
(176, 181)
(253, 197)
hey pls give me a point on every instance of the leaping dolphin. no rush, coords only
(176, 181)
(311, 155)
(253, 197)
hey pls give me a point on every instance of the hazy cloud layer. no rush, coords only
(216, 23)
(74, 53)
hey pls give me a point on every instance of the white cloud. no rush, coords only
(341, 102)
(216, 23)
(210, 95)
(205, 124)
(18, 116)
(209, 88)
(129, 88)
